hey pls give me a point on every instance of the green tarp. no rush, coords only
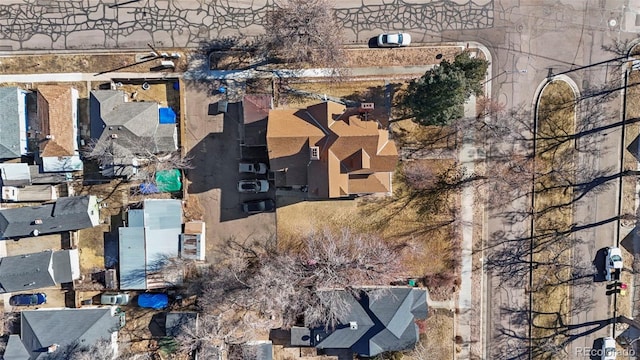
(168, 180)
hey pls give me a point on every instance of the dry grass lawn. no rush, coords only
(387, 218)
(551, 297)
(82, 63)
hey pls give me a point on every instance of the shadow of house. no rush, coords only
(372, 325)
(334, 151)
(634, 148)
(50, 334)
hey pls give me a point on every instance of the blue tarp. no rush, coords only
(153, 300)
(167, 116)
(148, 188)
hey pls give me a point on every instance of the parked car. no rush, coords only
(614, 261)
(155, 301)
(28, 299)
(254, 168)
(258, 206)
(253, 186)
(608, 349)
(114, 298)
(394, 40)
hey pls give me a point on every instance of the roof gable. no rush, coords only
(57, 120)
(347, 145)
(385, 322)
(42, 328)
(11, 104)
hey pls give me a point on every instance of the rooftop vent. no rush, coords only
(37, 221)
(49, 137)
(314, 153)
(114, 136)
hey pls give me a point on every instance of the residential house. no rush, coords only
(193, 241)
(65, 214)
(371, 325)
(255, 112)
(57, 128)
(124, 132)
(332, 150)
(46, 334)
(15, 174)
(175, 322)
(13, 122)
(38, 270)
(148, 242)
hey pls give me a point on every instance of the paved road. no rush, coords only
(535, 36)
(103, 24)
(530, 35)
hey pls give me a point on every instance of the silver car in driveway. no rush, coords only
(114, 298)
(253, 186)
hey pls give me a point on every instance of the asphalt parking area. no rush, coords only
(212, 140)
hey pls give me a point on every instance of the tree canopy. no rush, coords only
(304, 31)
(438, 97)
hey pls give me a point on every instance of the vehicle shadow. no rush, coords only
(599, 263)
(373, 42)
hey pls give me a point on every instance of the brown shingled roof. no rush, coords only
(355, 155)
(56, 117)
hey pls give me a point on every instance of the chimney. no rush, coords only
(314, 153)
(353, 325)
(49, 137)
(37, 221)
(52, 348)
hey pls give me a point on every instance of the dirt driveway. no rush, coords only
(213, 142)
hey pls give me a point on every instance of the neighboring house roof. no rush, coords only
(176, 321)
(65, 214)
(38, 270)
(383, 323)
(151, 237)
(193, 241)
(354, 156)
(65, 327)
(15, 174)
(13, 124)
(57, 120)
(125, 128)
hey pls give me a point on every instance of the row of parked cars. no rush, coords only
(255, 186)
(145, 300)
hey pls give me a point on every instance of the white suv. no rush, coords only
(614, 261)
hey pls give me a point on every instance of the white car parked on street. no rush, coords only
(614, 262)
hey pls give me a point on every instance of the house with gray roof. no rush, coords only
(372, 324)
(46, 334)
(13, 122)
(38, 270)
(148, 243)
(12, 174)
(123, 130)
(65, 214)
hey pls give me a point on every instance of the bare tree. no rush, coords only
(304, 31)
(267, 287)
(124, 154)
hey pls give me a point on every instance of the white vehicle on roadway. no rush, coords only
(394, 40)
(608, 349)
(613, 262)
